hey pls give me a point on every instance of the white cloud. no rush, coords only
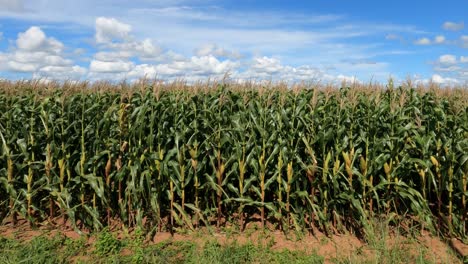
(441, 80)
(110, 66)
(79, 51)
(109, 56)
(60, 72)
(304, 73)
(171, 56)
(39, 58)
(423, 41)
(448, 68)
(258, 32)
(144, 50)
(215, 50)
(439, 39)
(453, 26)
(349, 79)
(145, 70)
(115, 58)
(40, 55)
(3, 61)
(122, 51)
(204, 65)
(452, 69)
(392, 37)
(195, 68)
(266, 65)
(22, 67)
(268, 68)
(183, 26)
(109, 29)
(448, 59)
(34, 39)
(237, 18)
(63, 69)
(464, 41)
(210, 64)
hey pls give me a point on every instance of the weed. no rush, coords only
(107, 244)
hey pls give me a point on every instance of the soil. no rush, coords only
(459, 247)
(333, 247)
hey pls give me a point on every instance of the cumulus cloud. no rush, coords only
(348, 79)
(447, 59)
(210, 64)
(109, 29)
(109, 56)
(79, 51)
(195, 68)
(144, 50)
(439, 39)
(392, 37)
(121, 55)
(266, 65)
(464, 41)
(190, 69)
(3, 61)
(118, 50)
(215, 50)
(262, 68)
(22, 67)
(441, 80)
(110, 66)
(453, 26)
(61, 72)
(116, 43)
(40, 55)
(452, 68)
(305, 73)
(423, 41)
(34, 39)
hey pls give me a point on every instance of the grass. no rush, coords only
(64, 250)
(40, 249)
(382, 245)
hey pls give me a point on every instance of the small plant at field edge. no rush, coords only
(107, 244)
(323, 240)
(271, 242)
(74, 247)
(136, 245)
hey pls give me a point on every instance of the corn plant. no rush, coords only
(169, 156)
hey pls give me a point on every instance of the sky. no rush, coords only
(325, 41)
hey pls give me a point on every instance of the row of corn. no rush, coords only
(298, 159)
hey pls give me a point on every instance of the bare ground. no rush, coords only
(344, 246)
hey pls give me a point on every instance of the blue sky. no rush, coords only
(325, 41)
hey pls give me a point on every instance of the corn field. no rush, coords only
(167, 156)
